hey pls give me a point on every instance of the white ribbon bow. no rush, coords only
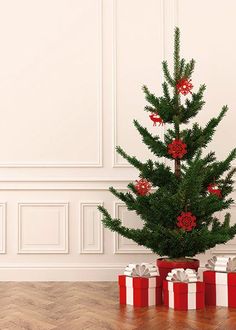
(182, 275)
(222, 264)
(141, 270)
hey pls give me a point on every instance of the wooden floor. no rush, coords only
(93, 305)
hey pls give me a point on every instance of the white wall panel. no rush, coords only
(50, 76)
(43, 227)
(91, 229)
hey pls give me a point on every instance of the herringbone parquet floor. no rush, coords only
(90, 305)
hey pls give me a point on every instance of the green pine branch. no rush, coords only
(227, 184)
(198, 138)
(132, 160)
(151, 98)
(189, 68)
(177, 55)
(193, 105)
(217, 169)
(152, 142)
(167, 74)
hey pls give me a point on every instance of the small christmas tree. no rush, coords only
(179, 213)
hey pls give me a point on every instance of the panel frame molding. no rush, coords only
(117, 249)
(100, 250)
(99, 139)
(3, 227)
(64, 249)
(70, 184)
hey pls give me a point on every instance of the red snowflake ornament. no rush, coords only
(184, 86)
(156, 119)
(214, 189)
(177, 148)
(186, 221)
(143, 186)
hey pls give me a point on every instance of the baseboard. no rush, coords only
(63, 272)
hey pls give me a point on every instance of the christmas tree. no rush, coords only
(178, 206)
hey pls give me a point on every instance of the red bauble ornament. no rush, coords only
(186, 221)
(177, 148)
(184, 86)
(143, 186)
(156, 119)
(214, 189)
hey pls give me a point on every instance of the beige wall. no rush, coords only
(70, 84)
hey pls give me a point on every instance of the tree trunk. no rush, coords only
(177, 168)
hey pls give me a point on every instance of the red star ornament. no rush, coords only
(214, 189)
(186, 221)
(143, 187)
(177, 148)
(156, 119)
(184, 86)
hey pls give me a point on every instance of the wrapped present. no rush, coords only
(139, 286)
(222, 264)
(141, 270)
(183, 291)
(220, 282)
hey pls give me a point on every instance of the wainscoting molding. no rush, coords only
(42, 227)
(61, 271)
(65, 272)
(3, 228)
(91, 228)
(71, 184)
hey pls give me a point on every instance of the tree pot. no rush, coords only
(165, 265)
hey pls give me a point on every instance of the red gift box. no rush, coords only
(183, 296)
(220, 288)
(140, 291)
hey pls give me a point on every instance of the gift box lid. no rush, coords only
(183, 287)
(213, 277)
(140, 282)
